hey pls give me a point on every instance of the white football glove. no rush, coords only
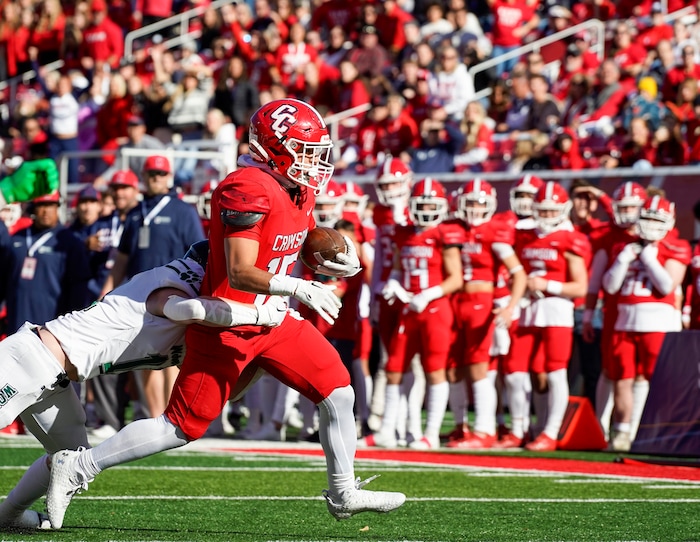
(629, 253)
(344, 265)
(272, 312)
(649, 254)
(420, 301)
(393, 290)
(311, 293)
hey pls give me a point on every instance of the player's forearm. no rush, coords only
(250, 279)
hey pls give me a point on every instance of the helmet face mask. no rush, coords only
(394, 183)
(628, 199)
(523, 193)
(354, 199)
(476, 204)
(657, 217)
(291, 137)
(329, 205)
(427, 205)
(551, 207)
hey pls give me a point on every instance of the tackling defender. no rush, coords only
(138, 325)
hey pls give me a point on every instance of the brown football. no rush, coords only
(321, 244)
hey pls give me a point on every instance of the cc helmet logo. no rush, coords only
(283, 118)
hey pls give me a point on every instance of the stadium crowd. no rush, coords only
(560, 107)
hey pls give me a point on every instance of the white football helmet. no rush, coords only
(522, 193)
(551, 206)
(329, 205)
(427, 205)
(394, 183)
(481, 192)
(627, 201)
(657, 217)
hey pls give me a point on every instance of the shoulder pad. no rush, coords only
(241, 207)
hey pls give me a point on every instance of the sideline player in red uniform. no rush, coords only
(645, 277)
(627, 200)
(487, 245)
(427, 269)
(263, 212)
(555, 259)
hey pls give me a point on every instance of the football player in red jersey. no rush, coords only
(486, 247)
(555, 258)
(354, 209)
(263, 212)
(427, 269)
(627, 200)
(393, 187)
(522, 193)
(329, 205)
(645, 276)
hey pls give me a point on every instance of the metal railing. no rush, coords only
(172, 153)
(181, 19)
(598, 47)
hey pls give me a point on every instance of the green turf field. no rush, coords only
(236, 495)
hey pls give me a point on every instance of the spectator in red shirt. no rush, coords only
(330, 13)
(512, 21)
(294, 59)
(351, 91)
(586, 10)
(390, 24)
(112, 118)
(10, 22)
(47, 35)
(565, 152)
(638, 150)
(591, 61)
(608, 95)
(401, 128)
(151, 11)
(103, 40)
(659, 29)
(678, 74)
(628, 54)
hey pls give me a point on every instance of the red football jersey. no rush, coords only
(281, 232)
(479, 262)
(420, 252)
(543, 256)
(385, 223)
(637, 286)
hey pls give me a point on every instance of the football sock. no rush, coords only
(416, 397)
(361, 392)
(484, 406)
(558, 401)
(379, 388)
(339, 438)
(540, 403)
(458, 402)
(437, 405)
(519, 402)
(136, 440)
(604, 403)
(30, 488)
(391, 410)
(640, 390)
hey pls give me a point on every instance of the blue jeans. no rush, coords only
(58, 146)
(507, 65)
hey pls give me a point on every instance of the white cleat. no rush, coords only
(361, 500)
(378, 440)
(65, 482)
(28, 520)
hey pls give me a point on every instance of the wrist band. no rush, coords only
(554, 287)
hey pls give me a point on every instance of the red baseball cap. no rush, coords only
(124, 177)
(48, 198)
(157, 163)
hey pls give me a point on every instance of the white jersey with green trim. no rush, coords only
(118, 334)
